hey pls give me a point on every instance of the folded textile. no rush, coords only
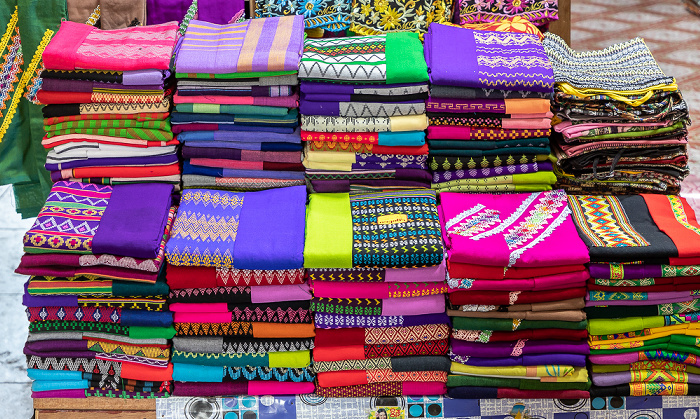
(368, 351)
(124, 220)
(361, 109)
(641, 389)
(383, 389)
(483, 63)
(497, 106)
(472, 12)
(78, 46)
(390, 58)
(512, 393)
(270, 46)
(336, 321)
(406, 306)
(338, 124)
(291, 359)
(240, 227)
(395, 364)
(218, 374)
(380, 336)
(427, 274)
(251, 388)
(332, 218)
(378, 290)
(360, 377)
(127, 78)
(237, 183)
(225, 327)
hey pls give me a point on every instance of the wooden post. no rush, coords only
(562, 27)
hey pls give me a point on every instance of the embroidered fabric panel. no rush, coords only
(335, 321)
(95, 366)
(205, 229)
(276, 315)
(297, 375)
(539, 12)
(398, 335)
(330, 15)
(118, 348)
(185, 295)
(463, 163)
(230, 277)
(380, 376)
(124, 394)
(483, 336)
(371, 17)
(356, 306)
(433, 347)
(337, 124)
(412, 239)
(214, 329)
(352, 365)
(603, 220)
(358, 59)
(679, 212)
(70, 218)
(661, 355)
(658, 389)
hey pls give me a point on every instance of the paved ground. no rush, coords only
(671, 32)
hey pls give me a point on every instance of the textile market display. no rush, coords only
(637, 316)
(99, 322)
(108, 97)
(621, 121)
(526, 333)
(236, 104)
(363, 113)
(488, 112)
(235, 331)
(378, 297)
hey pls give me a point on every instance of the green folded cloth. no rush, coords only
(232, 109)
(509, 325)
(519, 383)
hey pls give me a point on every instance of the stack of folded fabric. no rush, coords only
(376, 268)
(517, 283)
(489, 110)
(107, 119)
(643, 296)
(363, 113)
(236, 104)
(622, 120)
(241, 307)
(99, 323)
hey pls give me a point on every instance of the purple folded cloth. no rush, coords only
(338, 186)
(631, 271)
(108, 272)
(48, 300)
(145, 77)
(86, 86)
(61, 353)
(163, 11)
(348, 89)
(339, 321)
(630, 357)
(623, 377)
(55, 345)
(518, 348)
(219, 11)
(525, 360)
(337, 108)
(115, 161)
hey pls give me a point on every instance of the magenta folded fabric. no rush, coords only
(251, 388)
(413, 305)
(280, 101)
(518, 230)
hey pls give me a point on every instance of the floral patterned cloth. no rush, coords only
(539, 12)
(514, 24)
(371, 17)
(330, 15)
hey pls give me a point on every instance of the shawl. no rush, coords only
(516, 383)
(510, 298)
(574, 303)
(361, 109)
(376, 290)
(478, 121)
(505, 14)
(124, 220)
(218, 374)
(180, 277)
(283, 101)
(76, 287)
(102, 314)
(102, 367)
(343, 230)
(210, 108)
(77, 46)
(158, 352)
(326, 338)
(383, 389)
(390, 58)
(338, 124)
(620, 229)
(675, 218)
(512, 393)
(87, 86)
(215, 345)
(395, 364)
(495, 106)
(194, 300)
(220, 229)
(646, 365)
(334, 146)
(339, 321)
(640, 389)
(293, 359)
(265, 91)
(565, 315)
(539, 371)
(607, 312)
(105, 108)
(147, 77)
(372, 275)
(280, 312)
(456, 92)
(534, 230)
(359, 377)
(319, 160)
(246, 165)
(286, 80)
(508, 325)
(629, 324)
(251, 388)
(368, 351)
(625, 67)
(240, 139)
(328, 15)
(152, 131)
(621, 271)
(394, 91)
(253, 329)
(548, 282)
(498, 60)
(223, 172)
(407, 306)
(243, 184)
(248, 49)
(102, 139)
(156, 163)
(485, 336)
(506, 349)
(503, 157)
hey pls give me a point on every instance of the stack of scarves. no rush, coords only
(621, 122)
(108, 98)
(376, 269)
(363, 113)
(642, 299)
(240, 301)
(517, 281)
(489, 110)
(96, 303)
(236, 104)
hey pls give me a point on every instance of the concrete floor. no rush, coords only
(671, 32)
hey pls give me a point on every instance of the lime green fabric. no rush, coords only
(292, 359)
(328, 231)
(252, 75)
(404, 58)
(627, 324)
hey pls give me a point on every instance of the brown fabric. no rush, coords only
(117, 14)
(563, 315)
(572, 304)
(79, 11)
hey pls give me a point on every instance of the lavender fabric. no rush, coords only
(219, 11)
(525, 360)
(339, 321)
(602, 270)
(271, 229)
(277, 293)
(487, 59)
(506, 349)
(481, 173)
(115, 161)
(145, 77)
(346, 89)
(134, 221)
(162, 11)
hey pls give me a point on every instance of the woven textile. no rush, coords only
(480, 11)
(371, 17)
(328, 15)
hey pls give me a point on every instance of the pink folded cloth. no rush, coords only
(284, 102)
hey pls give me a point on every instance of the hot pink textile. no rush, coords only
(81, 46)
(521, 230)
(413, 305)
(329, 289)
(262, 388)
(199, 307)
(276, 293)
(428, 274)
(181, 317)
(285, 102)
(423, 389)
